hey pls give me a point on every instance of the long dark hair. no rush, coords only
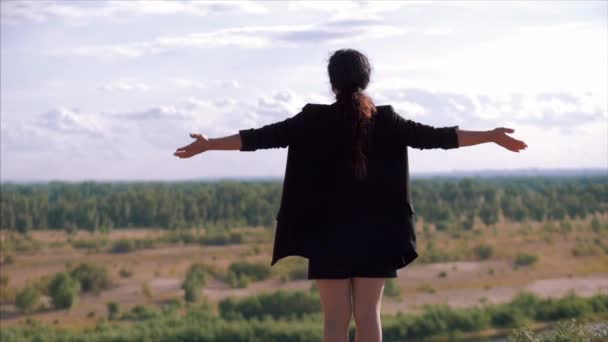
(349, 72)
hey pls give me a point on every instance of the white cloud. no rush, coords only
(44, 10)
(192, 84)
(245, 37)
(125, 85)
(71, 121)
(352, 7)
(566, 110)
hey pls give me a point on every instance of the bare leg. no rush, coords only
(337, 309)
(367, 300)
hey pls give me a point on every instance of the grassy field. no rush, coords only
(484, 265)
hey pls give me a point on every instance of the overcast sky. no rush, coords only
(108, 90)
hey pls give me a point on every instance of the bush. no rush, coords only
(582, 249)
(595, 225)
(130, 245)
(139, 313)
(146, 291)
(391, 288)
(27, 298)
(92, 278)
(125, 273)
(254, 271)
(113, 310)
(571, 330)
(507, 317)
(483, 252)
(524, 259)
(222, 238)
(570, 306)
(123, 246)
(196, 278)
(9, 259)
(8, 295)
(3, 280)
(63, 290)
(279, 304)
(93, 244)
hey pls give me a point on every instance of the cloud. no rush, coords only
(563, 110)
(348, 8)
(43, 10)
(131, 140)
(71, 121)
(125, 85)
(330, 32)
(191, 84)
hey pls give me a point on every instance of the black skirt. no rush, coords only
(342, 268)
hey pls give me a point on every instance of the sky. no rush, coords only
(109, 90)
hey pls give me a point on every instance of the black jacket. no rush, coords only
(324, 209)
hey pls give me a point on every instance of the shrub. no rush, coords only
(130, 245)
(94, 244)
(125, 273)
(507, 317)
(222, 238)
(298, 272)
(279, 304)
(582, 249)
(483, 252)
(9, 259)
(569, 306)
(139, 313)
(571, 330)
(8, 295)
(595, 225)
(122, 246)
(195, 281)
(3, 280)
(524, 259)
(92, 278)
(63, 290)
(426, 288)
(145, 290)
(391, 288)
(113, 310)
(27, 298)
(254, 271)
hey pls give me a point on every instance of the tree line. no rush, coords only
(453, 201)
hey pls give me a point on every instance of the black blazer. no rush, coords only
(324, 209)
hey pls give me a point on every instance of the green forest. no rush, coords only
(101, 206)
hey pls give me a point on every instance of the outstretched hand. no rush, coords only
(200, 145)
(501, 138)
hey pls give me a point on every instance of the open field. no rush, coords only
(161, 268)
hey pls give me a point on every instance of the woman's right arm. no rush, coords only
(497, 135)
(422, 136)
(202, 144)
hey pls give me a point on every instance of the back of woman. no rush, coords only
(346, 203)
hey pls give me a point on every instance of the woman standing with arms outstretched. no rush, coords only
(346, 202)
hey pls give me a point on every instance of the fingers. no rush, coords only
(197, 136)
(182, 154)
(508, 130)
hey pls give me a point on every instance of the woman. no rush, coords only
(346, 203)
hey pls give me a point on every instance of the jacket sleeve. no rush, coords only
(275, 135)
(421, 136)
